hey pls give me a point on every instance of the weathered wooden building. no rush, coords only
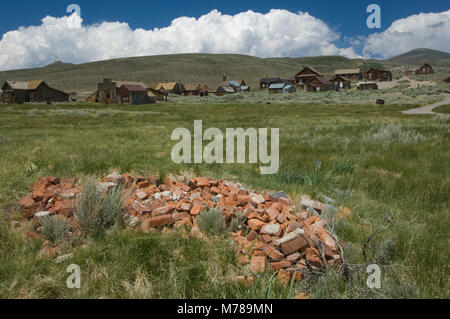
(15, 92)
(171, 87)
(367, 86)
(351, 74)
(276, 88)
(306, 75)
(341, 82)
(133, 94)
(378, 75)
(108, 90)
(424, 69)
(319, 84)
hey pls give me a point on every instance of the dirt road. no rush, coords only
(427, 109)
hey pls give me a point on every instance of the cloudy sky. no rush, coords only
(45, 32)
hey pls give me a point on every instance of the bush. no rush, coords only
(54, 228)
(393, 133)
(95, 212)
(211, 222)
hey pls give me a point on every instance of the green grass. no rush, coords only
(324, 150)
(444, 109)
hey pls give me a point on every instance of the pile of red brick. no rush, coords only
(274, 233)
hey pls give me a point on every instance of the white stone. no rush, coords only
(271, 229)
(290, 236)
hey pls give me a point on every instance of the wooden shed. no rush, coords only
(341, 82)
(160, 95)
(378, 75)
(424, 69)
(34, 91)
(367, 86)
(276, 88)
(306, 75)
(319, 84)
(133, 94)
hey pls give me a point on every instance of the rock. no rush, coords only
(329, 210)
(290, 236)
(257, 199)
(270, 229)
(26, 202)
(63, 258)
(279, 195)
(105, 187)
(327, 199)
(140, 208)
(132, 221)
(313, 258)
(294, 257)
(141, 195)
(195, 211)
(41, 215)
(258, 264)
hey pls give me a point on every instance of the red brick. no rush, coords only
(294, 245)
(258, 264)
(313, 258)
(255, 224)
(280, 265)
(26, 202)
(195, 211)
(272, 213)
(272, 253)
(162, 220)
(252, 235)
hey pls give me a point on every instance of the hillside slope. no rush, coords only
(189, 68)
(421, 56)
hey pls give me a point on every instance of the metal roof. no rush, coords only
(276, 86)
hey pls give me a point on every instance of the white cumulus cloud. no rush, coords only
(424, 30)
(278, 33)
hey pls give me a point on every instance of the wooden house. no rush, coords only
(319, 84)
(378, 75)
(341, 82)
(132, 94)
(108, 90)
(266, 82)
(351, 74)
(191, 89)
(367, 86)
(93, 98)
(15, 92)
(171, 87)
(424, 69)
(203, 90)
(306, 75)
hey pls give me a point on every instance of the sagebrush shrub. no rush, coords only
(211, 222)
(54, 228)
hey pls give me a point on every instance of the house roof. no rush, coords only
(341, 77)
(120, 83)
(191, 87)
(347, 71)
(134, 88)
(228, 89)
(323, 80)
(166, 86)
(276, 86)
(270, 80)
(17, 85)
(305, 75)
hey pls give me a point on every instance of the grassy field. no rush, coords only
(390, 169)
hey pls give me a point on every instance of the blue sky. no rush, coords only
(346, 19)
